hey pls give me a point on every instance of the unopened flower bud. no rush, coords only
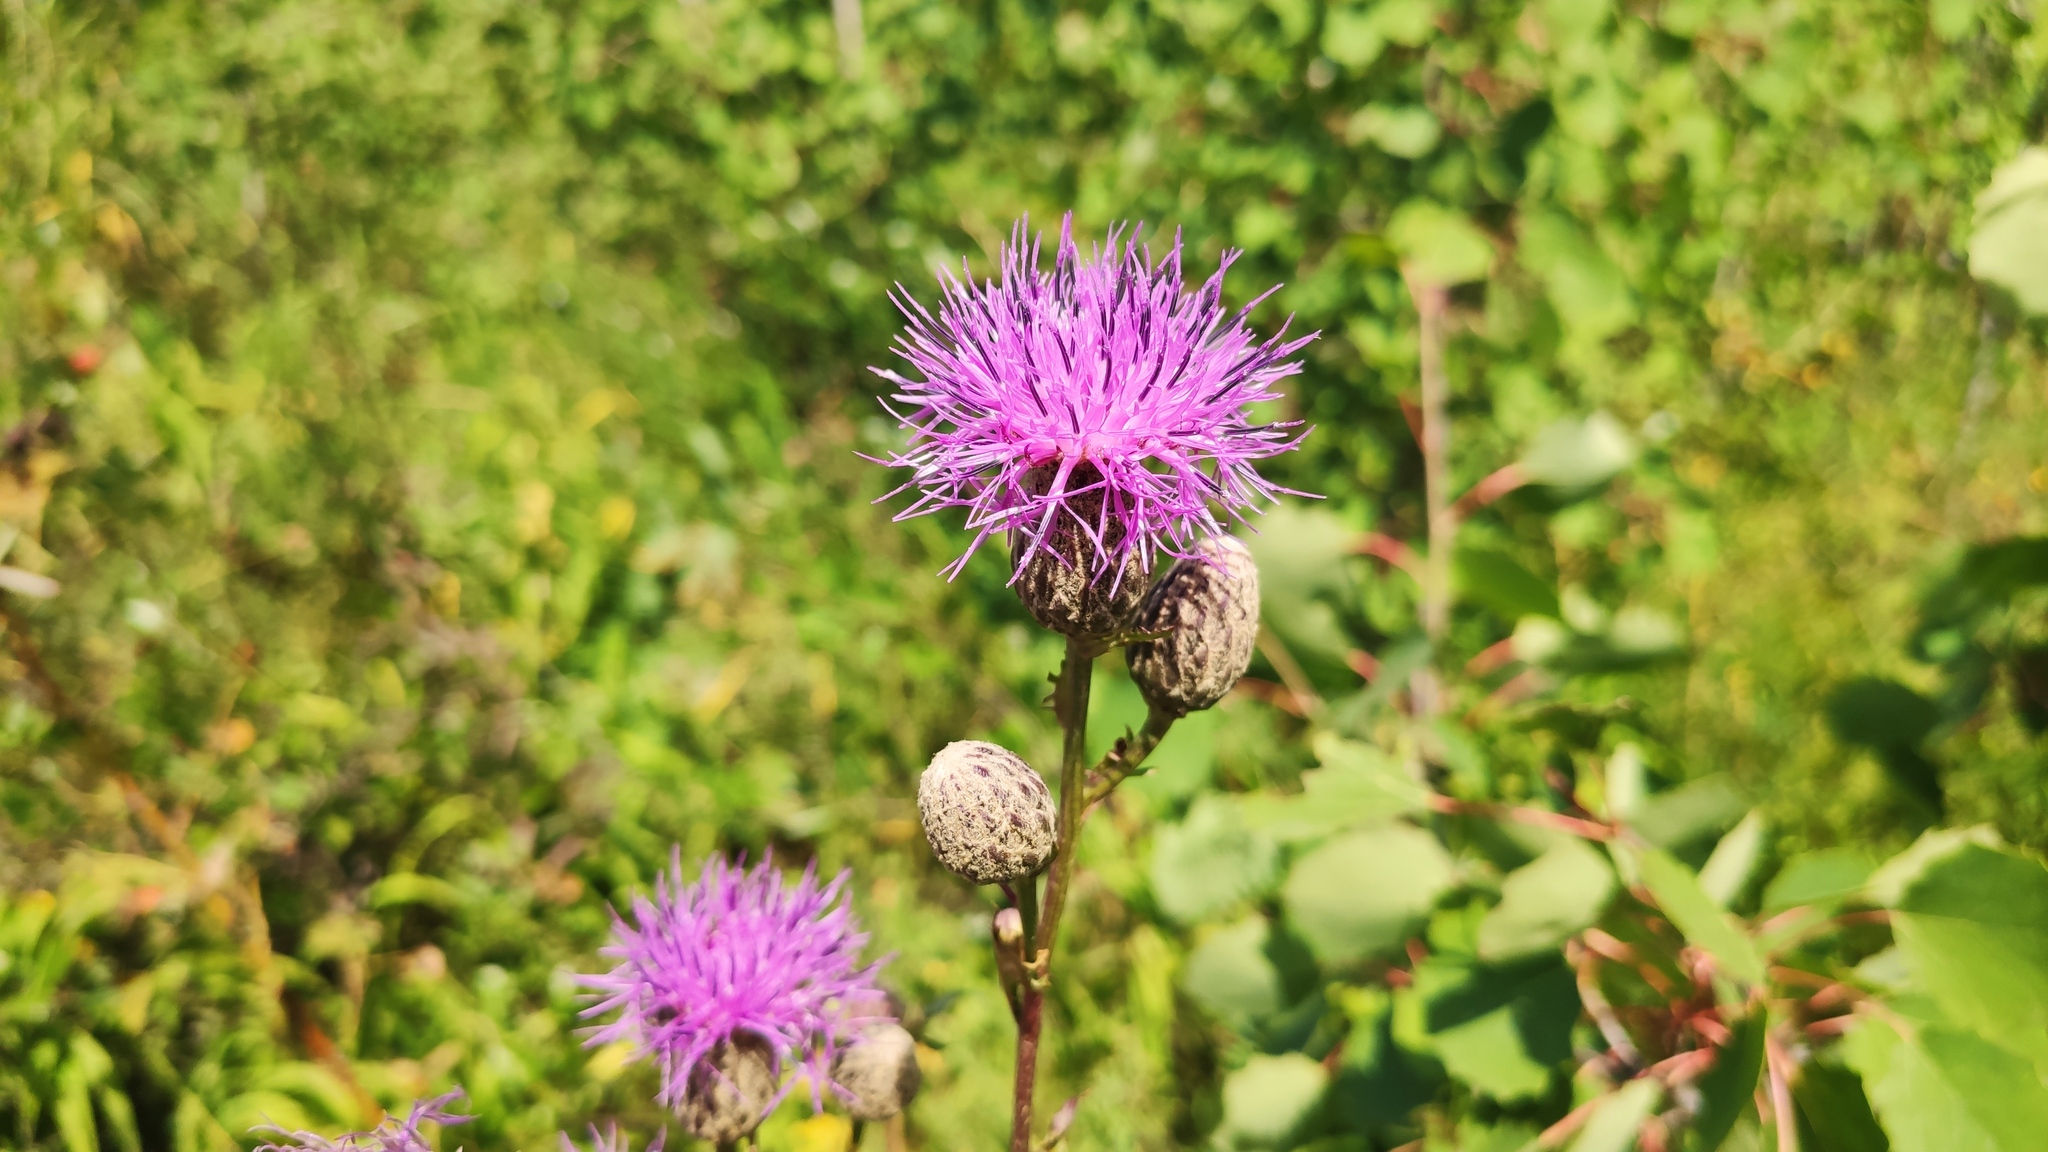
(1207, 606)
(988, 816)
(878, 1072)
(1065, 583)
(724, 1106)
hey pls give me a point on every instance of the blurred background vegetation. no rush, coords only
(430, 492)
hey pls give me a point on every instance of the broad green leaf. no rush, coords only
(1944, 1090)
(1887, 886)
(1487, 1054)
(1302, 567)
(1544, 902)
(1438, 245)
(1579, 453)
(1351, 37)
(1404, 130)
(2009, 243)
(1824, 878)
(1231, 977)
(1378, 1081)
(1728, 870)
(413, 888)
(1974, 928)
(1837, 1112)
(1499, 582)
(1729, 1087)
(1878, 713)
(1210, 862)
(1500, 1028)
(1589, 294)
(1689, 813)
(1365, 892)
(1613, 1125)
(73, 1109)
(1357, 785)
(1270, 1099)
(1698, 917)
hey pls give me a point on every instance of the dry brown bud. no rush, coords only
(1064, 584)
(988, 816)
(723, 1107)
(1207, 606)
(878, 1071)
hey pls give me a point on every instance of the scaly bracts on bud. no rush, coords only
(877, 1073)
(1064, 583)
(1206, 610)
(729, 1091)
(987, 815)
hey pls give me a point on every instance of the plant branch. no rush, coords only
(1535, 817)
(1070, 707)
(1124, 760)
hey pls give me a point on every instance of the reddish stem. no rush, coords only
(1028, 1027)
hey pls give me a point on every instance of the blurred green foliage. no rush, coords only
(431, 493)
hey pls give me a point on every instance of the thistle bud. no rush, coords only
(1066, 584)
(988, 816)
(725, 1105)
(878, 1072)
(1207, 606)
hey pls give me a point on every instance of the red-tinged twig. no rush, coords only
(1832, 1026)
(1684, 1067)
(1608, 946)
(1710, 1028)
(1364, 663)
(1381, 546)
(1555, 1135)
(1491, 659)
(1799, 977)
(1306, 702)
(1781, 1094)
(1534, 817)
(1519, 687)
(1268, 693)
(1653, 1136)
(1412, 413)
(1619, 1043)
(1493, 486)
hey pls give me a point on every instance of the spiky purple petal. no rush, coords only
(393, 1135)
(741, 951)
(1106, 376)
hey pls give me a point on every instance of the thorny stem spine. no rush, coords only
(1126, 758)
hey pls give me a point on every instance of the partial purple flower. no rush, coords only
(1099, 399)
(610, 1140)
(393, 1135)
(742, 961)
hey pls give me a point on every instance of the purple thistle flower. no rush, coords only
(1098, 398)
(393, 1135)
(739, 954)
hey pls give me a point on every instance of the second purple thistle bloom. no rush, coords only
(1099, 399)
(741, 962)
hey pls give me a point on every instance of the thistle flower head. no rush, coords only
(393, 1135)
(1099, 401)
(741, 960)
